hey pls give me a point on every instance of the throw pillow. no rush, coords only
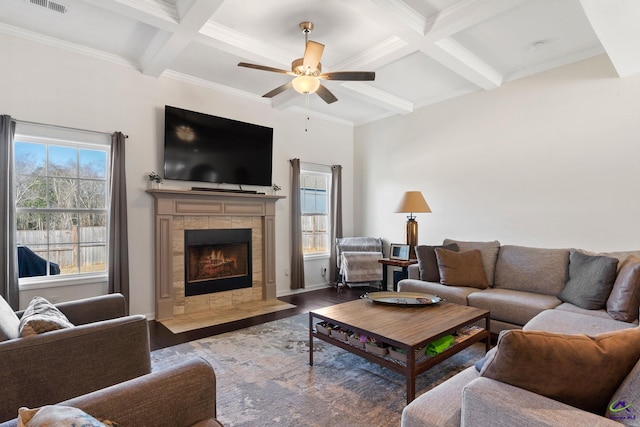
(461, 268)
(9, 322)
(58, 415)
(590, 280)
(42, 316)
(427, 262)
(578, 370)
(489, 254)
(624, 300)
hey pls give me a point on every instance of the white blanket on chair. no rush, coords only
(360, 266)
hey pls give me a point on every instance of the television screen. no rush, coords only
(203, 148)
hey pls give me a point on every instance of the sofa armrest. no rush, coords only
(94, 309)
(178, 396)
(413, 272)
(62, 364)
(486, 402)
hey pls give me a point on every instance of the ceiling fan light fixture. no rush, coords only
(305, 84)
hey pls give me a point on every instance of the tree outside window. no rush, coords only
(61, 203)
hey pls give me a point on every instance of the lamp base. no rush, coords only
(412, 236)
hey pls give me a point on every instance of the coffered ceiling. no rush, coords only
(422, 51)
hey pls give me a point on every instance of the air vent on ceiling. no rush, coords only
(51, 5)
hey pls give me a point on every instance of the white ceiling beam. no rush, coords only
(381, 54)
(154, 13)
(378, 97)
(405, 13)
(616, 25)
(463, 62)
(164, 50)
(465, 14)
(236, 43)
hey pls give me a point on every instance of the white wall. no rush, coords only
(552, 160)
(54, 86)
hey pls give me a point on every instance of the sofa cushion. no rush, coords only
(511, 306)
(591, 278)
(566, 322)
(9, 322)
(489, 252)
(454, 294)
(578, 370)
(537, 270)
(41, 316)
(461, 268)
(623, 406)
(427, 262)
(567, 306)
(624, 300)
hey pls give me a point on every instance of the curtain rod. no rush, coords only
(315, 164)
(65, 127)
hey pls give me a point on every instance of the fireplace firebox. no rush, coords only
(217, 260)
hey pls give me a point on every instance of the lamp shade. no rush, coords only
(413, 201)
(306, 84)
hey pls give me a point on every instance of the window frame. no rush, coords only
(77, 139)
(319, 170)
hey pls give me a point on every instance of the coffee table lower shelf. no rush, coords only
(413, 366)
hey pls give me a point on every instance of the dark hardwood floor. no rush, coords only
(162, 337)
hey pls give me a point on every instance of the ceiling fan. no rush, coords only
(307, 71)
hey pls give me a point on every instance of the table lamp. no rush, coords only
(412, 202)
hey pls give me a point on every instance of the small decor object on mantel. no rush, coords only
(155, 180)
(275, 187)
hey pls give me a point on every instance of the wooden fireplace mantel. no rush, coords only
(172, 203)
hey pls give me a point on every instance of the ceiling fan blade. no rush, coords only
(312, 55)
(278, 90)
(326, 95)
(349, 75)
(263, 68)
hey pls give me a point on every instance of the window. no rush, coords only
(61, 199)
(314, 198)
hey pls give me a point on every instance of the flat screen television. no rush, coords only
(203, 148)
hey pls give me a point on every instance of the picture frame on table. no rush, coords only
(399, 251)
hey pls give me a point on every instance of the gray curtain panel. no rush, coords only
(335, 220)
(118, 234)
(297, 257)
(8, 249)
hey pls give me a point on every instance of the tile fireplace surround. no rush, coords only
(179, 210)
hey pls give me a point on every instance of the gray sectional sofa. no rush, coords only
(534, 294)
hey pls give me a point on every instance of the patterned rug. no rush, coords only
(264, 378)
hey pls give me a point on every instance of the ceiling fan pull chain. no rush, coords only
(306, 104)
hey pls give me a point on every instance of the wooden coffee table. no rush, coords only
(408, 328)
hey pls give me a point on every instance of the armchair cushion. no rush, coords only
(42, 316)
(9, 322)
(591, 278)
(578, 370)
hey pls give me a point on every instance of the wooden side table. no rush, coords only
(404, 264)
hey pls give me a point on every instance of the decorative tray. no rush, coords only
(402, 298)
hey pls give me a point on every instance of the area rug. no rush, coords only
(264, 378)
(202, 319)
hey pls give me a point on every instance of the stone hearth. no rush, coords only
(179, 210)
